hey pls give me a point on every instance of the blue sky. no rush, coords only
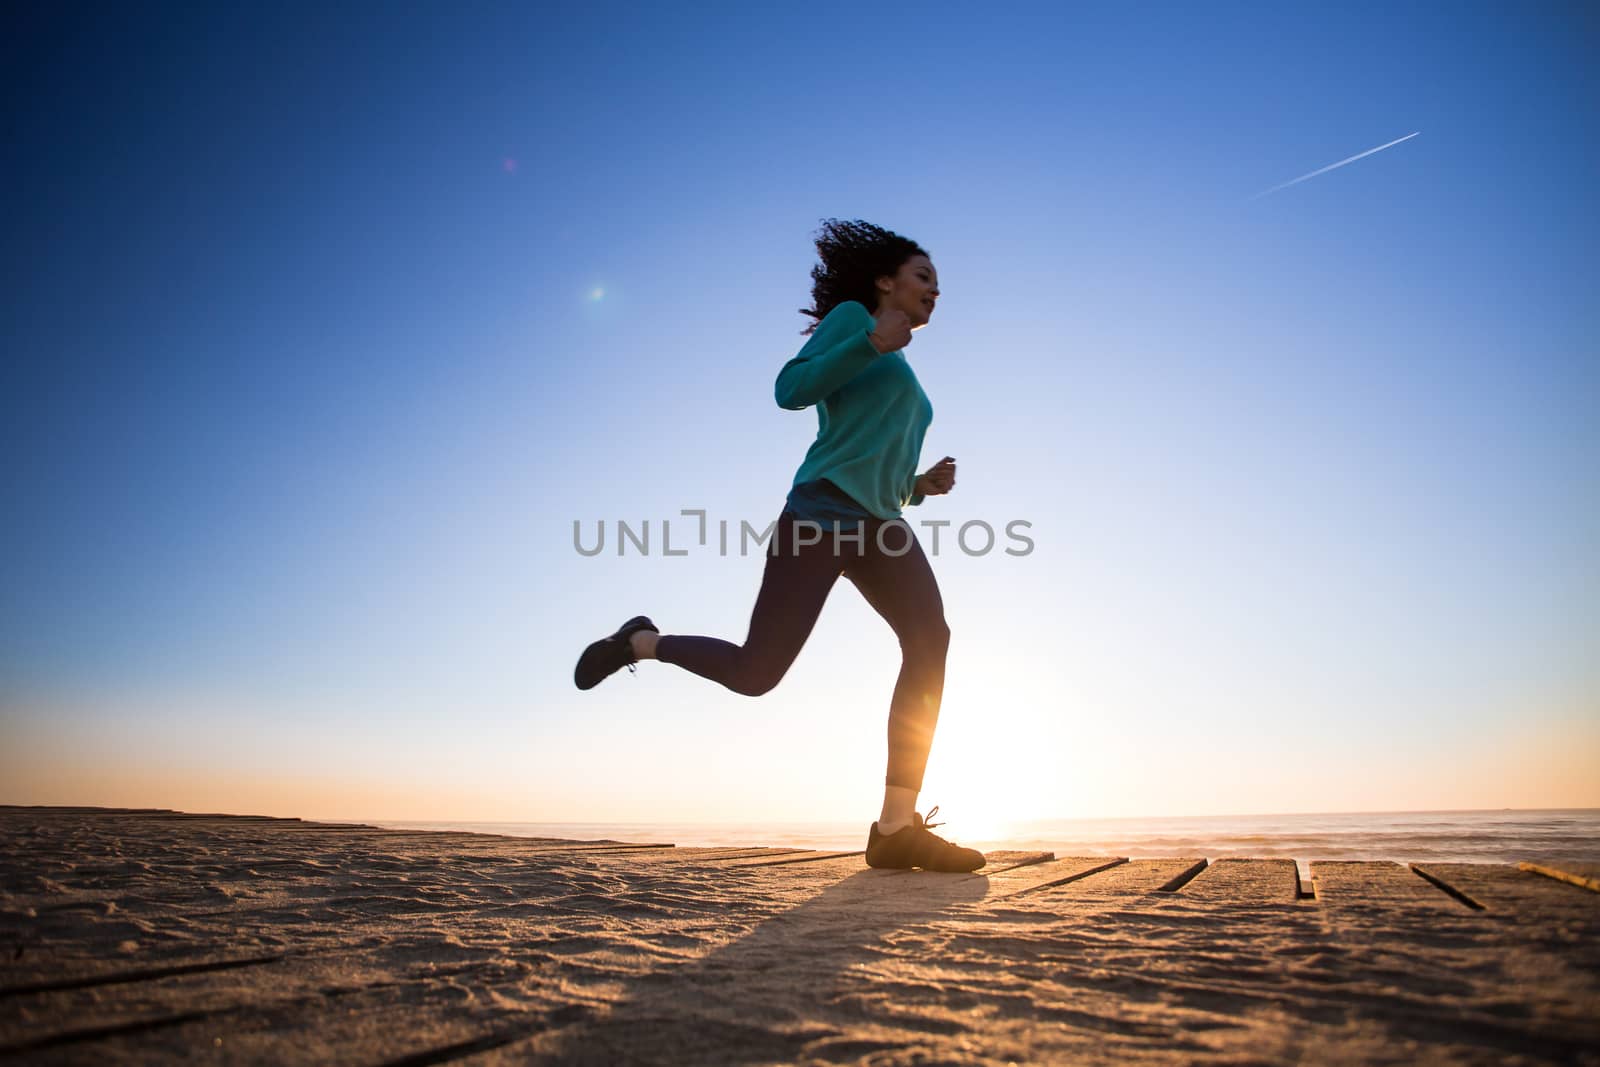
(307, 380)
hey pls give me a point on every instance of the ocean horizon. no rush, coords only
(1468, 836)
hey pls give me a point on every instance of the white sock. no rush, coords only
(899, 804)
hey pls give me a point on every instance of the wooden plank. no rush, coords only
(1000, 861)
(996, 862)
(592, 846)
(1527, 896)
(754, 853)
(1586, 875)
(705, 855)
(852, 866)
(900, 896)
(1133, 878)
(1042, 876)
(389, 1021)
(808, 856)
(1246, 881)
(606, 849)
(1382, 885)
(102, 975)
(64, 1013)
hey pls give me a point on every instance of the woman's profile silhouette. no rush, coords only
(870, 289)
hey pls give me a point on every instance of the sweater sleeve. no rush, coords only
(837, 351)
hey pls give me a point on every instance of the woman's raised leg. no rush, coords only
(794, 586)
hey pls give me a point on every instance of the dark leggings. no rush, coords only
(889, 568)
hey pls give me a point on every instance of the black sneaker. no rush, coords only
(916, 846)
(610, 654)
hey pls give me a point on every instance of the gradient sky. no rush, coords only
(323, 327)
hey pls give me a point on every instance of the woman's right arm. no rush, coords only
(836, 352)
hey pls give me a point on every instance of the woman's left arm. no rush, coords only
(936, 480)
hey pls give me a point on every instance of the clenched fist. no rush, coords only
(891, 330)
(938, 479)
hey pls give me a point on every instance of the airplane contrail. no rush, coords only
(1334, 166)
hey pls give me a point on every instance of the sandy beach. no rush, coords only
(152, 937)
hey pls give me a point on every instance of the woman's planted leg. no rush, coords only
(898, 582)
(901, 587)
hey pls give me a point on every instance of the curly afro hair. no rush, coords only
(854, 256)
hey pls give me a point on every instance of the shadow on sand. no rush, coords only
(759, 998)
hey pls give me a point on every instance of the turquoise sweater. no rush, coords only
(871, 412)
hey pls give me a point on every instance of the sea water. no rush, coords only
(1504, 836)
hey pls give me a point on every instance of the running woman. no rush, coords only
(842, 516)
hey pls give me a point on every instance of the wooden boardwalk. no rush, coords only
(153, 937)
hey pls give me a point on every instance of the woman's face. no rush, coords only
(913, 290)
